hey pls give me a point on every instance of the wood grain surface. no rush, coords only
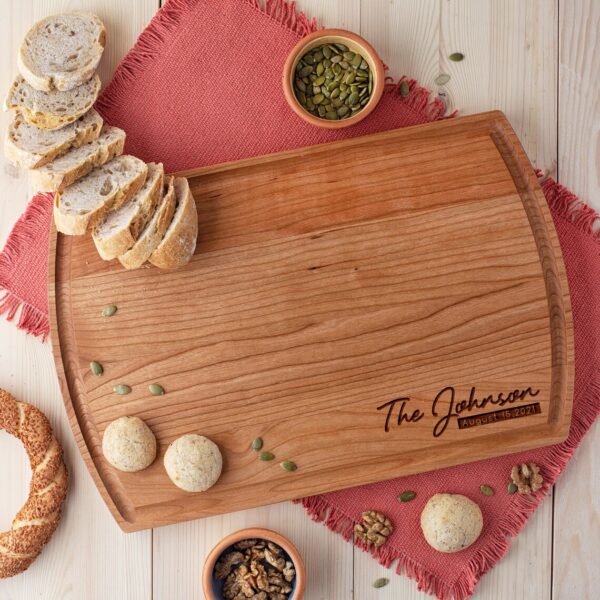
(304, 317)
(414, 37)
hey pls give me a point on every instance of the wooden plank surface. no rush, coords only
(407, 34)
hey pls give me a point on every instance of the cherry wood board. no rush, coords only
(335, 293)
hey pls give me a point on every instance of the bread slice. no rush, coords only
(30, 147)
(119, 229)
(51, 110)
(62, 51)
(154, 231)
(106, 187)
(179, 243)
(78, 162)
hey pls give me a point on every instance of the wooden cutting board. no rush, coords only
(374, 307)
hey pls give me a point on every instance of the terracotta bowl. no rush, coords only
(333, 36)
(212, 587)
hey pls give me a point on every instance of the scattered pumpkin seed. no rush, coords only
(486, 490)
(121, 389)
(456, 56)
(257, 444)
(109, 311)
(442, 79)
(381, 582)
(96, 368)
(156, 390)
(512, 487)
(407, 496)
(404, 89)
(288, 465)
(266, 456)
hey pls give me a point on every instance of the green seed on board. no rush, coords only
(407, 496)
(512, 487)
(96, 368)
(257, 444)
(404, 89)
(266, 456)
(156, 390)
(381, 582)
(109, 311)
(288, 465)
(486, 490)
(121, 389)
(456, 56)
(442, 79)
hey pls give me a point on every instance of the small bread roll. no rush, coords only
(128, 444)
(451, 522)
(193, 463)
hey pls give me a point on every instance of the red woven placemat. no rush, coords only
(177, 95)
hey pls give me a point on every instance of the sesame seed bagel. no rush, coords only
(35, 523)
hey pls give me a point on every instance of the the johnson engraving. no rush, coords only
(446, 408)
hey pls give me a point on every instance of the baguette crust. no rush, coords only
(35, 523)
(47, 179)
(76, 222)
(112, 244)
(51, 110)
(82, 131)
(179, 243)
(154, 231)
(48, 37)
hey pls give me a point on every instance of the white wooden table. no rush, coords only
(538, 61)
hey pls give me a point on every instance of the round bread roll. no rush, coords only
(129, 445)
(193, 463)
(451, 522)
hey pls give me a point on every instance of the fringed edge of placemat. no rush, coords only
(24, 233)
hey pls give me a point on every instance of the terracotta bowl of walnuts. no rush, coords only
(254, 560)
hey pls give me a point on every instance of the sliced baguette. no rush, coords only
(153, 232)
(30, 147)
(106, 187)
(117, 231)
(62, 51)
(51, 110)
(78, 162)
(179, 243)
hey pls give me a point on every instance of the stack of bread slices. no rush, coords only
(134, 211)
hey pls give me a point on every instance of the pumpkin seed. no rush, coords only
(341, 47)
(305, 71)
(288, 465)
(308, 59)
(336, 59)
(96, 368)
(266, 456)
(356, 61)
(319, 80)
(318, 55)
(318, 98)
(456, 56)
(381, 582)
(331, 116)
(335, 93)
(320, 68)
(109, 311)
(442, 79)
(345, 65)
(321, 110)
(327, 52)
(333, 49)
(404, 89)
(352, 98)
(121, 389)
(407, 496)
(486, 490)
(512, 487)
(156, 390)
(300, 85)
(342, 111)
(364, 65)
(257, 444)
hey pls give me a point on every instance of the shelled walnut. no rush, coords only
(255, 570)
(375, 528)
(527, 478)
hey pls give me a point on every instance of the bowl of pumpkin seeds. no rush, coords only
(333, 78)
